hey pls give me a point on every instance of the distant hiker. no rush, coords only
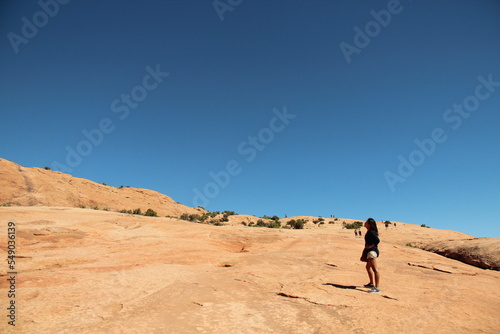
(394, 224)
(356, 233)
(370, 255)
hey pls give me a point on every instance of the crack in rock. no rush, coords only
(440, 270)
(282, 294)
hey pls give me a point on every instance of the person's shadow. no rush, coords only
(341, 286)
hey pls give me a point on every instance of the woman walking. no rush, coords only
(370, 255)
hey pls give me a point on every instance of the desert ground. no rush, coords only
(81, 266)
(93, 271)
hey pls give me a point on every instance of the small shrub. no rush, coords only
(151, 213)
(46, 168)
(274, 224)
(137, 212)
(261, 223)
(354, 226)
(193, 217)
(184, 216)
(319, 220)
(423, 225)
(297, 224)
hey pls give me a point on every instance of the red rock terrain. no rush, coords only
(36, 186)
(92, 271)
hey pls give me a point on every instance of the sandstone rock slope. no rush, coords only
(39, 187)
(90, 271)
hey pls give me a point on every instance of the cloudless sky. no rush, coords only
(353, 96)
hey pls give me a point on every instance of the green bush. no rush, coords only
(353, 226)
(193, 217)
(137, 212)
(151, 213)
(319, 220)
(261, 223)
(274, 224)
(297, 224)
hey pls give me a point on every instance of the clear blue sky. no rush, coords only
(297, 107)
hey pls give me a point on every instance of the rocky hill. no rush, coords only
(39, 187)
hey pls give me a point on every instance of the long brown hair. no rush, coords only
(373, 225)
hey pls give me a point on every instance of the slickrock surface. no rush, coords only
(480, 252)
(36, 186)
(89, 271)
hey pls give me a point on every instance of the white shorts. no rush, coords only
(371, 255)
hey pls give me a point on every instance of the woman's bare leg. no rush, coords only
(368, 270)
(373, 265)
